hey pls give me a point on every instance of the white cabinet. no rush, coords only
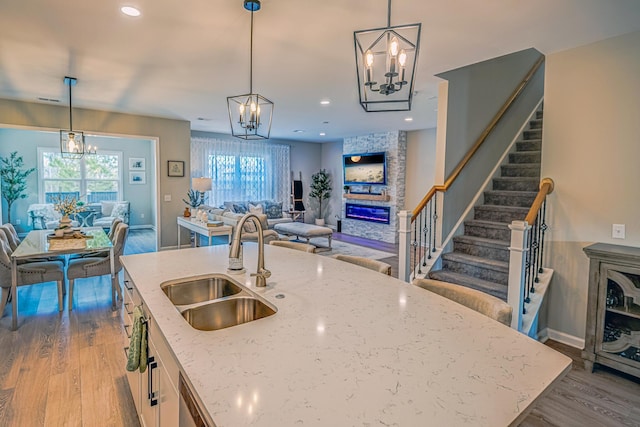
(155, 392)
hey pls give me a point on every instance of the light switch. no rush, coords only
(618, 231)
(167, 197)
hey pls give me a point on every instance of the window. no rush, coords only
(92, 179)
(240, 177)
(247, 171)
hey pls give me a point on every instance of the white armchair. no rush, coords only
(111, 211)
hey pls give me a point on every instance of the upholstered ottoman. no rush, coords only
(307, 231)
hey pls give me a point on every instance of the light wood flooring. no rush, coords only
(67, 369)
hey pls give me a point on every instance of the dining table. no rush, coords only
(40, 244)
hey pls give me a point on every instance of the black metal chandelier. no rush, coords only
(71, 141)
(250, 114)
(385, 64)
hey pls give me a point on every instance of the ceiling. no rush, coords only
(181, 59)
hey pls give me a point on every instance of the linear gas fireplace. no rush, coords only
(378, 214)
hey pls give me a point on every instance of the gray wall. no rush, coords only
(173, 138)
(420, 167)
(476, 93)
(332, 162)
(26, 143)
(591, 151)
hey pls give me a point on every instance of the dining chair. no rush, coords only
(299, 246)
(29, 273)
(12, 235)
(371, 264)
(114, 226)
(99, 265)
(483, 303)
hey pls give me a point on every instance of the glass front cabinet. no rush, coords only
(613, 314)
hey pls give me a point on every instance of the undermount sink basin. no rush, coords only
(199, 289)
(226, 313)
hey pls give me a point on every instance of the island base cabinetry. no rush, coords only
(155, 391)
(613, 313)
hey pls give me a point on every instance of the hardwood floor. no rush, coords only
(68, 368)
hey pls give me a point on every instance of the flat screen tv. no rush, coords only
(365, 168)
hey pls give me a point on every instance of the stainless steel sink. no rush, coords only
(199, 289)
(228, 312)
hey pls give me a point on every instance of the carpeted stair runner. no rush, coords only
(480, 257)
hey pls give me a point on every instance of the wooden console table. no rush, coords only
(613, 308)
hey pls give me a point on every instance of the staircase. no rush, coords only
(480, 257)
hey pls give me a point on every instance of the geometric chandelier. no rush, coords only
(386, 61)
(71, 142)
(250, 114)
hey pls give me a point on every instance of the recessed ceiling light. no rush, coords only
(408, 119)
(298, 131)
(322, 134)
(325, 102)
(204, 119)
(130, 11)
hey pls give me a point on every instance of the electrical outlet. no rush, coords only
(141, 215)
(167, 197)
(618, 231)
(18, 221)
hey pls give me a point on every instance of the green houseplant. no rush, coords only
(320, 190)
(14, 179)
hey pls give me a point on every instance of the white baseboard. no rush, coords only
(142, 226)
(561, 337)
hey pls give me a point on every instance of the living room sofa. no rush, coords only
(269, 213)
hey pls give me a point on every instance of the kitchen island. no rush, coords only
(348, 346)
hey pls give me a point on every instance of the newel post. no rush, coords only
(517, 264)
(404, 247)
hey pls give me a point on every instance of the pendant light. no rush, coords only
(386, 63)
(250, 114)
(71, 141)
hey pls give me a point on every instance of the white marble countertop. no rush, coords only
(348, 346)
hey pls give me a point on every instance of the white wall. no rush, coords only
(420, 166)
(591, 149)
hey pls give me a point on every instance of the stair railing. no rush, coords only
(417, 240)
(526, 254)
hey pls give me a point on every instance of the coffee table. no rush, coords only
(308, 231)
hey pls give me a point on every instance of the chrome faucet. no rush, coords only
(261, 273)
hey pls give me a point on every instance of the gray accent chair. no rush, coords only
(298, 246)
(478, 301)
(29, 273)
(371, 264)
(110, 211)
(99, 265)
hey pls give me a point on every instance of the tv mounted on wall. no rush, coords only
(365, 168)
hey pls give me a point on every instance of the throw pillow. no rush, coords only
(250, 227)
(273, 210)
(255, 209)
(239, 208)
(120, 210)
(106, 208)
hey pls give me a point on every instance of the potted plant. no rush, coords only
(320, 190)
(14, 179)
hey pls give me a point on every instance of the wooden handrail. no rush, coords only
(546, 188)
(483, 136)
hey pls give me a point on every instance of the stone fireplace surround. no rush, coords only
(394, 144)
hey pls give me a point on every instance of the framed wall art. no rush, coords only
(175, 168)
(136, 163)
(137, 178)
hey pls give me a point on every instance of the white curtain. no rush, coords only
(242, 170)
